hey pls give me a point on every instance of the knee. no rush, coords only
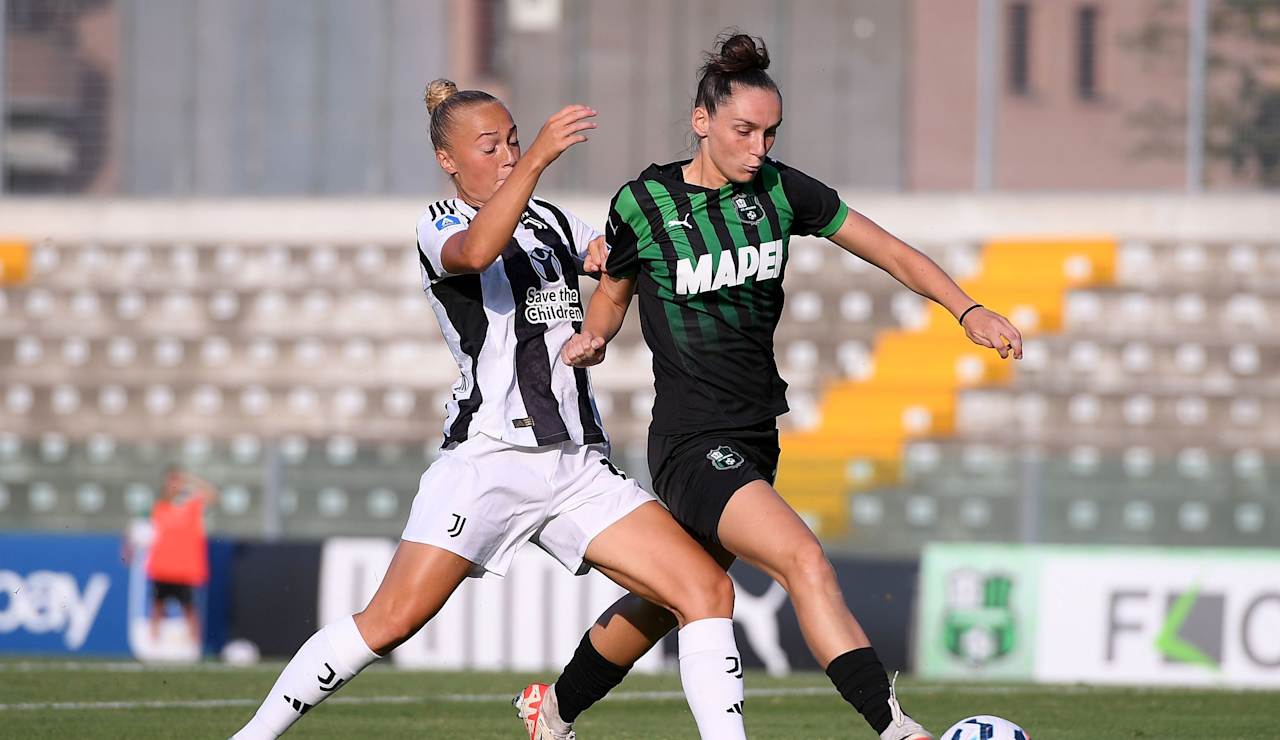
(385, 629)
(652, 620)
(720, 595)
(809, 571)
(707, 595)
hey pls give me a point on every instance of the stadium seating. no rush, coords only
(1147, 408)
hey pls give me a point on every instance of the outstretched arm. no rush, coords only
(604, 318)
(863, 237)
(474, 249)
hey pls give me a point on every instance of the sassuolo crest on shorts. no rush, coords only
(724, 458)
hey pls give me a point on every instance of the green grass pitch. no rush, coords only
(50, 699)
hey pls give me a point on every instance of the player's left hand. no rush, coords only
(597, 256)
(583, 350)
(990, 329)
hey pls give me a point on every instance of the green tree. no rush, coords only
(1242, 116)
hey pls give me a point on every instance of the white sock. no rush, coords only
(329, 659)
(551, 713)
(711, 672)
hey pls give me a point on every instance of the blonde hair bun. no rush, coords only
(437, 92)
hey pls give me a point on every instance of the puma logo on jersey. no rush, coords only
(682, 222)
(733, 268)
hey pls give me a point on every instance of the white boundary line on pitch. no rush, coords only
(129, 666)
(494, 698)
(448, 698)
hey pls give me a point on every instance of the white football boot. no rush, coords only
(902, 727)
(537, 706)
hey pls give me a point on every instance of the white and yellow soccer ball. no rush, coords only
(984, 727)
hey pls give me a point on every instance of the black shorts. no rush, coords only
(179, 591)
(696, 474)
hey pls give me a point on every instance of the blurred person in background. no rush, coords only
(713, 442)
(178, 562)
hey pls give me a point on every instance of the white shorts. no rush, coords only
(485, 498)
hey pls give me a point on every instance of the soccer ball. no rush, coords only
(984, 727)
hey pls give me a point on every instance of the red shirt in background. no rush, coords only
(179, 552)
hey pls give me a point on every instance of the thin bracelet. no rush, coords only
(967, 310)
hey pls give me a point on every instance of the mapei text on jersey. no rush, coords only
(764, 263)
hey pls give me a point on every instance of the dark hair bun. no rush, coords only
(739, 59)
(738, 53)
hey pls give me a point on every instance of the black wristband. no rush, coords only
(967, 310)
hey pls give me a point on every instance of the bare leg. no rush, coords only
(193, 623)
(635, 625)
(648, 554)
(418, 582)
(762, 529)
(157, 612)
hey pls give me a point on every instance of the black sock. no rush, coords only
(860, 678)
(586, 680)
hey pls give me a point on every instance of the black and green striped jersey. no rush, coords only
(709, 266)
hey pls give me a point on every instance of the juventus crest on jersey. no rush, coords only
(505, 327)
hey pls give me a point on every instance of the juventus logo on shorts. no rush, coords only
(326, 682)
(459, 522)
(735, 666)
(613, 468)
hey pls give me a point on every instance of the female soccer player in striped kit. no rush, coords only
(705, 243)
(524, 456)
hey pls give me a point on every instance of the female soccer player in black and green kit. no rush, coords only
(704, 242)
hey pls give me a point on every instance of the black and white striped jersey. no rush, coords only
(505, 327)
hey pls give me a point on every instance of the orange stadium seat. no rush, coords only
(15, 261)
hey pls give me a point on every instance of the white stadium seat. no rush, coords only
(1138, 462)
(246, 448)
(1083, 515)
(112, 400)
(340, 450)
(382, 503)
(1138, 516)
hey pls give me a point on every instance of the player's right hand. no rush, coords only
(989, 329)
(583, 350)
(597, 257)
(561, 131)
